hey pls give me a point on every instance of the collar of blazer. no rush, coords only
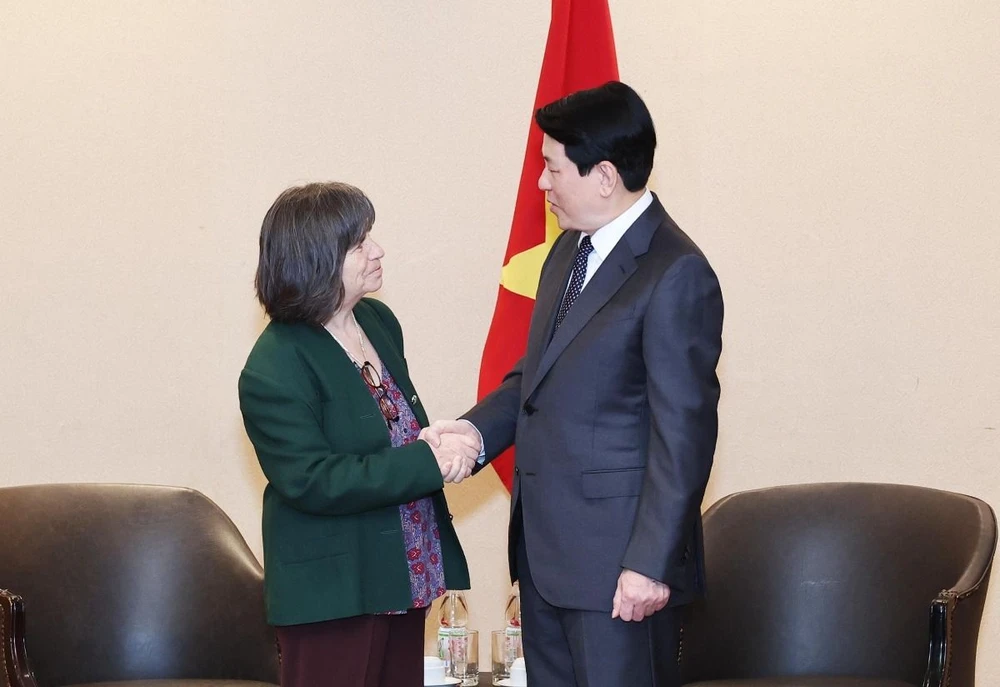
(605, 283)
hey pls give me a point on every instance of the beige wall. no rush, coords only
(838, 161)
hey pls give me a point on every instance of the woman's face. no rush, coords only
(362, 270)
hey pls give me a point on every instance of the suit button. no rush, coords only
(529, 409)
(517, 470)
(450, 516)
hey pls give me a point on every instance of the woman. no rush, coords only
(358, 540)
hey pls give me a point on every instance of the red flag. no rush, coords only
(579, 53)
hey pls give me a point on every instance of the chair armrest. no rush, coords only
(956, 614)
(16, 669)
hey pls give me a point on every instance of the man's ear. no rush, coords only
(608, 177)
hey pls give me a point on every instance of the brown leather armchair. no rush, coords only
(841, 585)
(126, 584)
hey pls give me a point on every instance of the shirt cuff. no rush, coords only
(482, 451)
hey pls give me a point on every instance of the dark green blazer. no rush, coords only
(333, 541)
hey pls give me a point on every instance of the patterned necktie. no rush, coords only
(576, 281)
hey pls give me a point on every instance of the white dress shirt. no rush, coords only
(607, 237)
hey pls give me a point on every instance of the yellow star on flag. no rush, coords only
(521, 273)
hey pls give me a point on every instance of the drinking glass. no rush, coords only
(505, 648)
(465, 657)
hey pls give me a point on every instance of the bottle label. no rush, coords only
(512, 645)
(450, 650)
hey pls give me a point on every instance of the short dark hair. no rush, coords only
(304, 239)
(610, 123)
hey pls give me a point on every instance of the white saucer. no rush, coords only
(448, 681)
(507, 683)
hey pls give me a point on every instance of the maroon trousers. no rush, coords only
(364, 651)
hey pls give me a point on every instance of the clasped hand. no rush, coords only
(456, 446)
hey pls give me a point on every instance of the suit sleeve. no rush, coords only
(496, 415)
(301, 466)
(682, 342)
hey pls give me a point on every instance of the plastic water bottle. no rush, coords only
(452, 621)
(512, 624)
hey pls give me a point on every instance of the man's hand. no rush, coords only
(638, 596)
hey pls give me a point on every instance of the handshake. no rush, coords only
(456, 445)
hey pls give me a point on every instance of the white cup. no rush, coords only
(518, 673)
(433, 671)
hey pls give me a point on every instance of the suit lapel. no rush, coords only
(548, 299)
(603, 285)
(608, 278)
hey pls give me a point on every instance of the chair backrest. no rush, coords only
(830, 579)
(129, 582)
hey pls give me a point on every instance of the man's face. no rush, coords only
(575, 199)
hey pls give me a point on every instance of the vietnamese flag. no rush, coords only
(579, 54)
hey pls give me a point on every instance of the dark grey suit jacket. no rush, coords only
(615, 418)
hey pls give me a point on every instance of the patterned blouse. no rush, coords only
(421, 538)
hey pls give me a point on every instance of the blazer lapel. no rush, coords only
(603, 285)
(389, 354)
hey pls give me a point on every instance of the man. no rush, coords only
(613, 410)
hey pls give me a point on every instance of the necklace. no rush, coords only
(361, 342)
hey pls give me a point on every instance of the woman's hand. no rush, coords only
(456, 453)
